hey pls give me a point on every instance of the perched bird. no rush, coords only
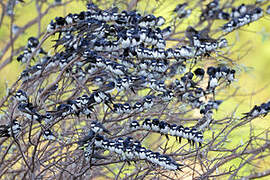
(61, 111)
(15, 29)
(268, 9)
(48, 135)
(180, 8)
(147, 124)
(30, 112)
(199, 72)
(134, 125)
(21, 96)
(12, 129)
(98, 127)
(148, 102)
(57, 2)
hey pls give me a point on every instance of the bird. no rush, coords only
(180, 8)
(21, 96)
(61, 111)
(57, 2)
(255, 111)
(164, 128)
(148, 102)
(98, 127)
(147, 124)
(268, 9)
(12, 129)
(30, 112)
(106, 87)
(48, 135)
(134, 125)
(15, 29)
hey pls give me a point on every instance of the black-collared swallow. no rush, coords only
(167, 96)
(180, 132)
(35, 70)
(199, 72)
(119, 85)
(128, 63)
(136, 143)
(13, 128)
(153, 157)
(212, 83)
(180, 8)
(105, 144)
(25, 57)
(32, 43)
(231, 76)
(98, 80)
(198, 138)
(192, 135)
(186, 52)
(137, 82)
(186, 133)
(48, 118)
(196, 103)
(127, 108)
(265, 108)
(166, 32)
(223, 15)
(111, 146)
(98, 127)
(119, 69)
(173, 129)
(255, 111)
(148, 102)
(142, 153)
(211, 71)
(129, 153)
(138, 107)
(128, 141)
(98, 140)
(147, 124)
(21, 96)
(230, 26)
(213, 104)
(199, 92)
(91, 68)
(107, 87)
(51, 27)
(66, 40)
(164, 128)
(29, 111)
(75, 106)
(118, 108)
(88, 139)
(60, 22)
(119, 148)
(57, 2)
(25, 75)
(155, 125)
(268, 9)
(69, 18)
(134, 125)
(160, 21)
(172, 165)
(48, 135)
(15, 29)
(62, 110)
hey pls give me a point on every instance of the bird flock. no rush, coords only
(118, 54)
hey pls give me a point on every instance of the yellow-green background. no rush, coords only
(255, 38)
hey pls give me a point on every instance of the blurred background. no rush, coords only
(250, 53)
